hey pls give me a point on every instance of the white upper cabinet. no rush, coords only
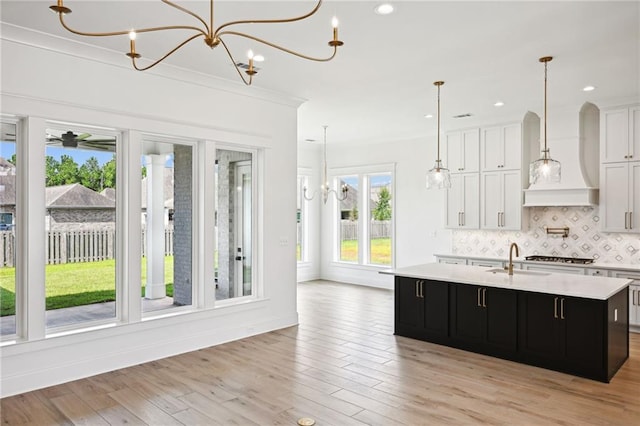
(501, 147)
(620, 169)
(620, 135)
(620, 197)
(462, 151)
(463, 201)
(501, 201)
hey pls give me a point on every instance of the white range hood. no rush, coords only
(575, 142)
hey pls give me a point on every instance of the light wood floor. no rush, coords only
(341, 366)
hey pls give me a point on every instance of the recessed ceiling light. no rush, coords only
(498, 104)
(384, 9)
(428, 116)
(588, 88)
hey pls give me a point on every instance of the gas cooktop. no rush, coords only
(558, 259)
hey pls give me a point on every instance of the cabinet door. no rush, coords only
(436, 306)
(614, 135)
(634, 196)
(634, 305)
(471, 150)
(491, 200)
(634, 133)
(409, 305)
(453, 151)
(455, 202)
(512, 199)
(539, 330)
(468, 316)
(583, 321)
(491, 149)
(502, 317)
(614, 193)
(471, 201)
(512, 146)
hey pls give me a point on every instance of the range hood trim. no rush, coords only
(561, 197)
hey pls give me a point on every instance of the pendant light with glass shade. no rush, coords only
(545, 169)
(438, 177)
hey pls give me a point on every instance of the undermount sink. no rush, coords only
(516, 272)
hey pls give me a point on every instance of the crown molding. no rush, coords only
(85, 51)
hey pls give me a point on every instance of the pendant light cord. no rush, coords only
(438, 161)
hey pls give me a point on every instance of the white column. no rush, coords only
(155, 286)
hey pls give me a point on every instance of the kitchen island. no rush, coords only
(574, 324)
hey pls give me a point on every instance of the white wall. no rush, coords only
(53, 79)
(419, 213)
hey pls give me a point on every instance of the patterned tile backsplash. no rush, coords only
(585, 238)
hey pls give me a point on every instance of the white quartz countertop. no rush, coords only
(585, 286)
(629, 267)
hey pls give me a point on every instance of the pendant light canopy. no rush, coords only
(438, 177)
(545, 169)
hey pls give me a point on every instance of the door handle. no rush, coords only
(239, 257)
(484, 297)
(498, 219)
(463, 219)
(555, 307)
(417, 293)
(626, 220)
(459, 219)
(562, 308)
(630, 220)
(633, 297)
(422, 289)
(479, 290)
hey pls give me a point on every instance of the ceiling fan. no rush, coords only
(83, 140)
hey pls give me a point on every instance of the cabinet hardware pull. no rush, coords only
(633, 297)
(630, 220)
(417, 294)
(484, 297)
(479, 289)
(463, 219)
(459, 221)
(498, 219)
(626, 156)
(555, 307)
(626, 220)
(422, 289)
(562, 308)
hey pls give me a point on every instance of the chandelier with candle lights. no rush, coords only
(212, 36)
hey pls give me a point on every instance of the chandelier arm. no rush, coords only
(171, 52)
(117, 33)
(187, 11)
(284, 49)
(304, 194)
(233, 61)
(268, 21)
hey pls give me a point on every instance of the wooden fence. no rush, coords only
(377, 229)
(75, 246)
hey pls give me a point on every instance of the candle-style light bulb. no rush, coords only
(132, 45)
(250, 54)
(335, 42)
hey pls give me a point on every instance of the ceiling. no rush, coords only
(380, 86)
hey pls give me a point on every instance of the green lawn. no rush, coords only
(75, 284)
(380, 251)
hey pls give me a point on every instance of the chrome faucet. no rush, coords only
(510, 267)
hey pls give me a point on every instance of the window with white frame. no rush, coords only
(8, 202)
(364, 220)
(85, 219)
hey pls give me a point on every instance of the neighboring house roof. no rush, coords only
(110, 193)
(7, 183)
(76, 196)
